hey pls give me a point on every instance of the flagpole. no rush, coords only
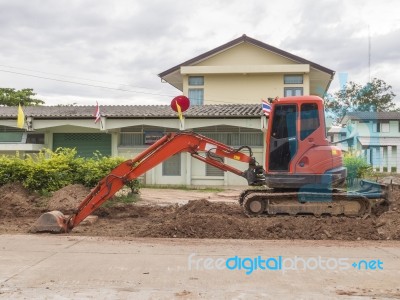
(20, 117)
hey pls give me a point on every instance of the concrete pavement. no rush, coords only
(64, 267)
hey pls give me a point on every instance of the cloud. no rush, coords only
(130, 42)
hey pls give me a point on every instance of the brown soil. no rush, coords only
(17, 201)
(196, 219)
(388, 223)
(68, 198)
(205, 219)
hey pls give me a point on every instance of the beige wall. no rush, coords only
(245, 54)
(244, 88)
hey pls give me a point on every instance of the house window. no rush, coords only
(172, 166)
(385, 127)
(293, 91)
(196, 80)
(196, 96)
(213, 171)
(35, 138)
(293, 79)
(381, 127)
(376, 127)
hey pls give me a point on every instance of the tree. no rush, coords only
(12, 97)
(374, 96)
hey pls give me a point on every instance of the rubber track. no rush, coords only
(334, 196)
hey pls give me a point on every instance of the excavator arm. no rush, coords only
(200, 147)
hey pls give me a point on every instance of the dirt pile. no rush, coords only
(207, 207)
(388, 225)
(196, 219)
(121, 211)
(17, 201)
(204, 219)
(68, 198)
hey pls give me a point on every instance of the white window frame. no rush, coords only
(293, 89)
(196, 85)
(196, 81)
(293, 79)
(385, 127)
(195, 100)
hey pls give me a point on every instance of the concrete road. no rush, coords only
(63, 267)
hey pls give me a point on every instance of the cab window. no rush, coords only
(309, 119)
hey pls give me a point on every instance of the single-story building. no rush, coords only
(128, 130)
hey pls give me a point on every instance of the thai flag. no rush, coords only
(97, 113)
(266, 107)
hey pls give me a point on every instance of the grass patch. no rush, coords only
(124, 199)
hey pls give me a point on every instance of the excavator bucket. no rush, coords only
(53, 222)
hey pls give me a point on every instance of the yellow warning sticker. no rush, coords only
(237, 157)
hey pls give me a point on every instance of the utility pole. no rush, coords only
(369, 54)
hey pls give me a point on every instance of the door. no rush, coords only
(283, 140)
(85, 143)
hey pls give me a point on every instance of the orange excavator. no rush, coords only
(302, 170)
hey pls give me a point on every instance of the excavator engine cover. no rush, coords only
(53, 222)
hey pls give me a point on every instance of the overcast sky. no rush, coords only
(115, 49)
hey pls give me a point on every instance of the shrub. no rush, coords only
(92, 170)
(12, 169)
(49, 170)
(357, 167)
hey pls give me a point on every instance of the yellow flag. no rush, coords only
(21, 117)
(179, 111)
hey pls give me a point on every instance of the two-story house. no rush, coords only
(375, 135)
(246, 70)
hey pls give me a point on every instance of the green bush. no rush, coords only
(357, 167)
(92, 170)
(49, 170)
(12, 168)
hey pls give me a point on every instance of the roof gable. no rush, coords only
(245, 54)
(245, 39)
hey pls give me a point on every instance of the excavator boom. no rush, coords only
(200, 147)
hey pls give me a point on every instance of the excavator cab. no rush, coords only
(298, 152)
